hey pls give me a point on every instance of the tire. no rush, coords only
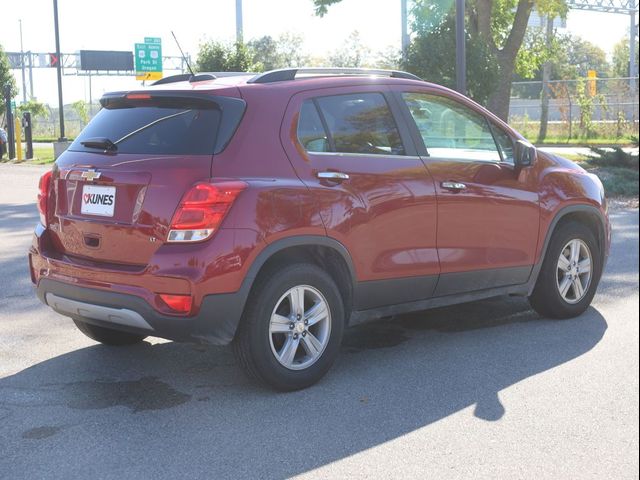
(547, 298)
(108, 336)
(270, 327)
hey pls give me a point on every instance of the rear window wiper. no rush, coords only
(100, 143)
(148, 125)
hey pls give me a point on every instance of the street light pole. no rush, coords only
(633, 31)
(405, 30)
(24, 82)
(59, 71)
(461, 64)
(239, 33)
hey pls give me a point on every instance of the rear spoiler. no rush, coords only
(170, 99)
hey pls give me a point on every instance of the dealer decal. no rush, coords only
(94, 198)
(98, 200)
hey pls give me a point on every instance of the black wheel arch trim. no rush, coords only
(297, 241)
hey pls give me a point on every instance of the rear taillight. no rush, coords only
(202, 210)
(43, 197)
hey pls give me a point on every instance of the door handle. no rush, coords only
(335, 176)
(455, 186)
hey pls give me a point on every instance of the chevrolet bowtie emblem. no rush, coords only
(91, 175)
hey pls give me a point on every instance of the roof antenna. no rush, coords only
(183, 55)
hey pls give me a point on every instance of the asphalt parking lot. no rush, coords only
(483, 390)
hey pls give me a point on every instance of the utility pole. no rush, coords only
(24, 82)
(404, 18)
(239, 21)
(461, 63)
(633, 31)
(59, 71)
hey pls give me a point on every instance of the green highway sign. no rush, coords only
(149, 59)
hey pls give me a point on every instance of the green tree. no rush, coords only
(264, 53)
(6, 80)
(432, 48)
(291, 49)
(620, 60)
(37, 109)
(81, 109)
(215, 56)
(352, 54)
(268, 53)
(574, 57)
(501, 25)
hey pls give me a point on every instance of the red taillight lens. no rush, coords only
(43, 196)
(177, 303)
(202, 210)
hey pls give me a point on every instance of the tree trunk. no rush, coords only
(500, 98)
(544, 95)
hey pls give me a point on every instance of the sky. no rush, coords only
(118, 24)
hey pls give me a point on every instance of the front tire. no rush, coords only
(291, 330)
(108, 336)
(570, 273)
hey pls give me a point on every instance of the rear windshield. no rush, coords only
(154, 130)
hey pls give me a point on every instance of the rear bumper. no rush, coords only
(215, 323)
(125, 299)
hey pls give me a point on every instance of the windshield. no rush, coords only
(154, 130)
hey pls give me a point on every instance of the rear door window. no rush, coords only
(359, 123)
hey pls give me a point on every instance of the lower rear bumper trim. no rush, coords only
(73, 308)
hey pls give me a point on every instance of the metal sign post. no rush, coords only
(59, 71)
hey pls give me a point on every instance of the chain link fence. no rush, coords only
(604, 108)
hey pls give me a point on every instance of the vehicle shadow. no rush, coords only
(163, 409)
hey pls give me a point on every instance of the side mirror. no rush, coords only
(525, 154)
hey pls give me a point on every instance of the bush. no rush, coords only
(616, 157)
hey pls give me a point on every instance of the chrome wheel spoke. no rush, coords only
(564, 286)
(563, 263)
(584, 266)
(578, 290)
(296, 300)
(280, 324)
(316, 314)
(311, 344)
(575, 251)
(289, 349)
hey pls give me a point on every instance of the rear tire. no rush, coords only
(570, 273)
(108, 336)
(292, 327)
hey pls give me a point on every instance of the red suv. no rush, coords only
(273, 210)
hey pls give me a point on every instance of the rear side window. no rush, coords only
(166, 126)
(311, 134)
(356, 123)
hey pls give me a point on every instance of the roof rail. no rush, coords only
(182, 77)
(292, 73)
(198, 77)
